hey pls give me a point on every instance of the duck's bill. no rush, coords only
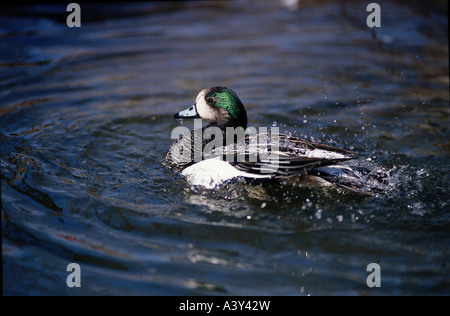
(189, 113)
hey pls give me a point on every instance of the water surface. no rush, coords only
(86, 116)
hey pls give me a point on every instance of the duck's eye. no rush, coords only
(210, 100)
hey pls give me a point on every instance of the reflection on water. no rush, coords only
(86, 116)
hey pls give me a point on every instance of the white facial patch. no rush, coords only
(203, 109)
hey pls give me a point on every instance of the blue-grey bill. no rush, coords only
(189, 113)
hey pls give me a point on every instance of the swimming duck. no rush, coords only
(254, 157)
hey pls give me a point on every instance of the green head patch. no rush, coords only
(228, 99)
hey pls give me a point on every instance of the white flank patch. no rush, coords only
(211, 173)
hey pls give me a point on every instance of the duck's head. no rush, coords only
(218, 106)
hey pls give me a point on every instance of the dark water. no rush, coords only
(86, 116)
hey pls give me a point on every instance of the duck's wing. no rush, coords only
(284, 166)
(285, 156)
(302, 143)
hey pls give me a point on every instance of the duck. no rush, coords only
(251, 156)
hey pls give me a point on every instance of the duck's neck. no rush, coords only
(229, 122)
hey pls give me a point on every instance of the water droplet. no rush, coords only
(318, 214)
(263, 205)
